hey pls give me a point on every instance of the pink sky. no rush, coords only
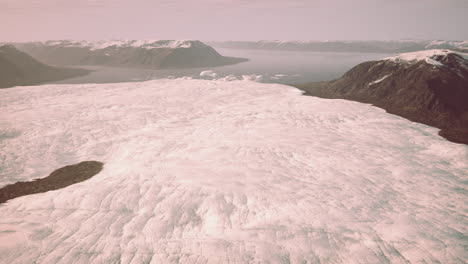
(24, 20)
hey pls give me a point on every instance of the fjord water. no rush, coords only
(285, 67)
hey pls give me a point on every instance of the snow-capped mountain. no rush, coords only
(146, 44)
(18, 68)
(199, 171)
(346, 46)
(444, 44)
(426, 86)
(154, 54)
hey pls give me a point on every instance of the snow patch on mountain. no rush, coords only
(146, 44)
(462, 44)
(429, 56)
(380, 80)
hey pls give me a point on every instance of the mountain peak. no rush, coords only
(19, 68)
(436, 57)
(7, 48)
(428, 86)
(146, 44)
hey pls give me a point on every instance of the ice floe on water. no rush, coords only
(208, 73)
(200, 171)
(212, 75)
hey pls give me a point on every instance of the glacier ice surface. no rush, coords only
(200, 171)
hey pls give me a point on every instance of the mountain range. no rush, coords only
(399, 46)
(153, 54)
(18, 68)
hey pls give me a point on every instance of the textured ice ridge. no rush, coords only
(201, 171)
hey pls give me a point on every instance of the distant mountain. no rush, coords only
(160, 54)
(18, 68)
(429, 87)
(346, 46)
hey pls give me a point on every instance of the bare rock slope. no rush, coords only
(18, 68)
(429, 87)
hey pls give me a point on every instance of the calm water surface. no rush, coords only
(286, 67)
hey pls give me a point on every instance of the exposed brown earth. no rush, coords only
(421, 92)
(58, 179)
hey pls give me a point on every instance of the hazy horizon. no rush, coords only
(228, 40)
(220, 20)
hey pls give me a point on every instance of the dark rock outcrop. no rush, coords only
(58, 179)
(163, 54)
(430, 87)
(18, 68)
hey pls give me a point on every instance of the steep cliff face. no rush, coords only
(160, 54)
(430, 87)
(18, 68)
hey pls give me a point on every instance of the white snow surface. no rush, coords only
(200, 171)
(208, 73)
(426, 55)
(146, 44)
(380, 79)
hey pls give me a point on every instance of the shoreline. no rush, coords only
(457, 135)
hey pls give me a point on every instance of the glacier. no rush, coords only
(215, 171)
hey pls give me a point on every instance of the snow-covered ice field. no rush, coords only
(200, 171)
